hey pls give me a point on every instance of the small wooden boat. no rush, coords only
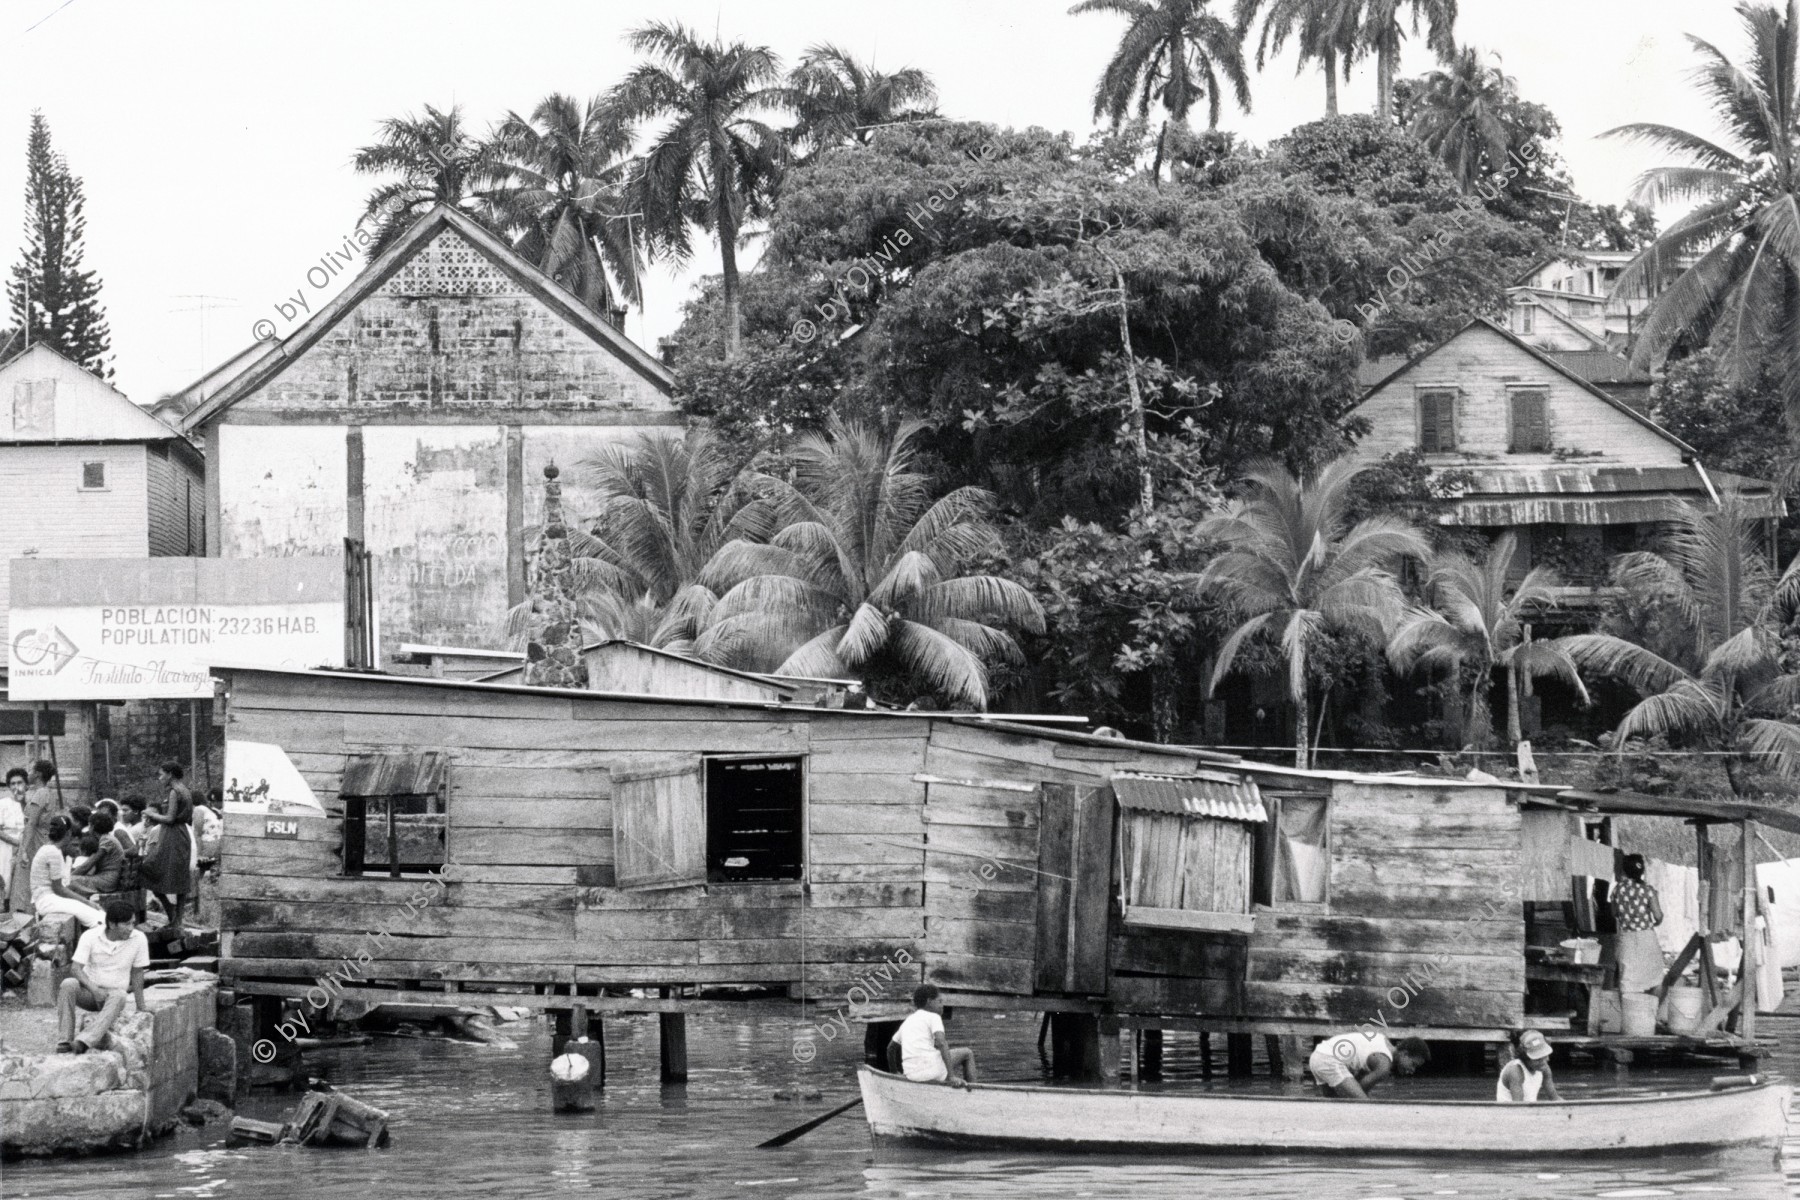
(989, 1115)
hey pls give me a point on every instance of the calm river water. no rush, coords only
(473, 1122)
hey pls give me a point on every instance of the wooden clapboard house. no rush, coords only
(592, 840)
(600, 839)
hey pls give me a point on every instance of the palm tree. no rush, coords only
(838, 99)
(1296, 570)
(714, 165)
(868, 571)
(1725, 685)
(1173, 53)
(1458, 117)
(1742, 237)
(1477, 620)
(1380, 22)
(438, 162)
(1324, 31)
(566, 194)
(663, 507)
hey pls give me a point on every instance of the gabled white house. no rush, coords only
(1578, 474)
(85, 473)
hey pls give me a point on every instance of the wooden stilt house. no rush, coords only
(508, 840)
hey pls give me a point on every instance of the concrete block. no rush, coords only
(218, 1068)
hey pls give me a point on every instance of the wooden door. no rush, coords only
(659, 834)
(1075, 859)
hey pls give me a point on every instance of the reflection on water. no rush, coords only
(474, 1122)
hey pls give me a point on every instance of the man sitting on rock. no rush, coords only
(108, 961)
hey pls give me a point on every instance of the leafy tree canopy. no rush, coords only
(971, 278)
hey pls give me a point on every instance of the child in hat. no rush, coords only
(1527, 1076)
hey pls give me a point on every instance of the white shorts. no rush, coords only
(938, 1076)
(1327, 1068)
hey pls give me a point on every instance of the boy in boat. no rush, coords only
(1527, 1076)
(1349, 1065)
(918, 1049)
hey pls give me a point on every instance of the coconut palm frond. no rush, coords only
(948, 668)
(818, 658)
(1547, 660)
(1603, 654)
(1775, 743)
(1689, 709)
(865, 636)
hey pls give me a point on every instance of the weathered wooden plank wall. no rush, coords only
(1424, 923)
(1423, 910)
(530, 895)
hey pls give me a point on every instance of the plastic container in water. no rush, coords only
(1686, 1006)
(1639, 1014)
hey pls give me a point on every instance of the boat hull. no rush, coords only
(1748, 1118)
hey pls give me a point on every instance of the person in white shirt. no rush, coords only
(12, 823)
(108, 962)
(1348, 1065)
(1527, 1076)
(50, 892)
(918, 1049)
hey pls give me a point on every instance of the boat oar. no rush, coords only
(800, 1131)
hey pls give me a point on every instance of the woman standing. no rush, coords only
(42, 804)
(1637, 911)
(166, 870)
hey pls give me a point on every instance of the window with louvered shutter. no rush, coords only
(1437, 421)
(1530, 422)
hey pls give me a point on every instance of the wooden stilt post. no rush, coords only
(674, 1047)
(1151, 1059)
(1206, 1066)
(576, 1093)
(1272, 1044)
(1294, 1053)
(1106, 1050)
(1747, 968)
(1238, 1053)
(1134, 1035)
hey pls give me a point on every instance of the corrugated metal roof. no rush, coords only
(1231, 797)
(1593, 494)
(420, 774)
(1600, 366)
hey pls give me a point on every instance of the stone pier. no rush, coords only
(116, 1098)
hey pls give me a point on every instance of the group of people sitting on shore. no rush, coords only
(67, 858)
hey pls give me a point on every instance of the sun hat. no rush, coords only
(1533, 1045)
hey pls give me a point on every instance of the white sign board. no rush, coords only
(151, 628)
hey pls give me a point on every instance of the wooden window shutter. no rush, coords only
(659, 831)
(1437, 421)
(1530, 422)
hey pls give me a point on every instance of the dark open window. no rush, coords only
(1437, 420)
(754, 819)
(1530, 422)
(395, 818)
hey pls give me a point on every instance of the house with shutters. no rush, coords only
(1533, 446)
(408, 415)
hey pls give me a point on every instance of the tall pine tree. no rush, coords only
(51, 296)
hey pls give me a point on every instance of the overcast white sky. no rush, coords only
(214, 136)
